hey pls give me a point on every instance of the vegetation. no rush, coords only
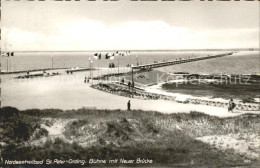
(167, 139)
(16, 127)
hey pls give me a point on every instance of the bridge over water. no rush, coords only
(169, 63)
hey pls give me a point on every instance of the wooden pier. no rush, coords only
(181, 61)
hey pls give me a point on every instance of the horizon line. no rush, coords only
(100, 50)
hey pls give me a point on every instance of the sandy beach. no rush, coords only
(129, 84)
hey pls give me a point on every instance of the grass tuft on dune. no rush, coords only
(167, 139)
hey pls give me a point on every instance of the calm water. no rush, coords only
(244, 62)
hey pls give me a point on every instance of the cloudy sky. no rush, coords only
(128, 25)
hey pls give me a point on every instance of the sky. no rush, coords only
(82, 26)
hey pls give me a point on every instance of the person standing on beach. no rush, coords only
(231, 105)
(122, 81)
(128, 106)
(129, 85)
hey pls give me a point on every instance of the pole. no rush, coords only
(89, 62)
(118, 63)
(91, 73)
(14, 63)
(114, 70)
(51, 62)
(10, 64)
(7, 64)
(101, 75)
(132, 82)
(98, 74)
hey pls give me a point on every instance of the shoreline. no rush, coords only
(236, 54)
(157, 89)
(177, 99)
(53, 92)
(186, 97)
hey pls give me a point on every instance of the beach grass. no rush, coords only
(167, 139)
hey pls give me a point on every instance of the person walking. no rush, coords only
(231, 105)
(129, 85)
(129, 106)
(122, 81)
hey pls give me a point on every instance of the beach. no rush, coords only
(129, 84)
(68, 91)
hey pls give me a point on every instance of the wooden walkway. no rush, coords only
(168, 63)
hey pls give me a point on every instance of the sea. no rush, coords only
(243, 62)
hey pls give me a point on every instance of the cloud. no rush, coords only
(94, 35)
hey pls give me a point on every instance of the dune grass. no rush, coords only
(167, 139)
